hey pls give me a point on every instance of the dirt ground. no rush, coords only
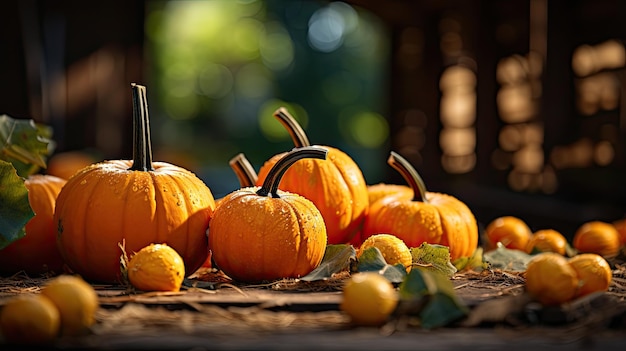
(209, 314)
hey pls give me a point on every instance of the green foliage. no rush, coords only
(372, 260)
(431, 296)
(476, 262)
(15, 210)
(24, 146)
(433, 257)
(336, 259)
(507, 259)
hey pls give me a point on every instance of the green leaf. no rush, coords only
(431, 296)
(15, 210)
(372, 260)
(435, 257)
(476, 262)
(25, 144)
(336, 259)
(507, 259)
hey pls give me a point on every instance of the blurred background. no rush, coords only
(514, 107)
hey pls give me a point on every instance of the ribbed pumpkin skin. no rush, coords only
(337, 188)
(254, 238)
(105, 204)
(36, 252)
(442, 220)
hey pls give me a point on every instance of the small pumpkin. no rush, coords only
(510, 231)
(264, 233)
(156, 267)
(36, 252)
(132, 203)
(431, 217)
(547, 240)
(336, 186)
(550, 279)
(620, 225)
(597, 237)
(593, 271)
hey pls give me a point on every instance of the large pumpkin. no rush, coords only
(435, 218)
(36, 252)
(132, 203)
(336, 186)
(263, 233)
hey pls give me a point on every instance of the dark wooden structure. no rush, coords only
(68, 63)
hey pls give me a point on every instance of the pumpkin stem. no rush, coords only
(142, 146)
(244, 170)
(410, 175)
(270, 184)
(293, 127)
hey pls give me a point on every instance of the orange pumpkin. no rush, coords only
(36, 252)
(510, 231)
(620, 225)
(132, 203)
(263, 233)
(336, 186)
(547, 240)
(597, 237)
(376, 192)
(66, 164)
(247, 177)
(430, 217)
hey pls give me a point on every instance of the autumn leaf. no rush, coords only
(433, 256)
(15, 210)
(25, 144)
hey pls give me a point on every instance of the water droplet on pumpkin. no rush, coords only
(83, 182)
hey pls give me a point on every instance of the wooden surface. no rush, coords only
(304, 316)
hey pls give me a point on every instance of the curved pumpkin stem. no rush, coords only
(270, 184)
(142, 146)
(410, 175)
(293, 127)
(244, 170)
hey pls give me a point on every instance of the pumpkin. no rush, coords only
(620, 225)
(547, 240)
(131, 204)
(597, 237)
(36, 252)
(550, 279)
(336, 186)
(510, 231)
(593, 271)
(376, 192)
(264, 233)
(156, 267)
(247, 177)
(431, 217)
(66, 164)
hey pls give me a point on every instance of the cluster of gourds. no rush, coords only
(558, 272)
(277, 225)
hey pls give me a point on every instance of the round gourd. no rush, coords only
(36, 252)
(550, 279)
(430, 217)
(247, 177)
(336, 186)
(510, 231)
(131, 203)
(547, 240)
(263, 233)
(597, 237)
